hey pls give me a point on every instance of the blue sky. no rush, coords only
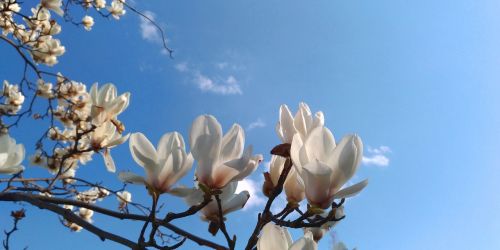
(419, 77)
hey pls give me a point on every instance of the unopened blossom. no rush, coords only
(220, 159)
(274, 237)
(303, 122)
(88, 22)
(325, 167)
(11, 155)
(230, 201)
(294, 186)
(99, 4)
(106, 136)
(116, 9)
(124, 197)
(164, 165)
(106, 104)
(74, 227)
(86, 214)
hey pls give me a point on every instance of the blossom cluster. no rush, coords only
(35, 32)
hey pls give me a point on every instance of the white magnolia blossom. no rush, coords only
(164, 165)
(86, 214)
(124, 197)
(274, 237)
(325, 167)
(44, 89)
(303, 122)
(88, 22)
(230, 201)
(106, 104)
(54, 5)
(13, 98)
(99, 4)
(106, 136)
(11, 155)
(294, 185)
(220, 159)
(47, 51)
(92, 195)
(116, 9)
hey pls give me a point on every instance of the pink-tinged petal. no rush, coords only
(276, 167)
(205, 138)
(294, 187)
(232, 143)
(351, 190)
(317, 176)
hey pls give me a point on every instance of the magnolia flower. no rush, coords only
(294, 186)
(124, 197)
(86, 214)
(274, 237)
(303, 122)
(54, 5)
(88, 22)
(48, 51)
(116, 9)
(44, 89)
(325, 167)
(99, 4)
(11, 155)
(220, 159)
(164, 166)
(106, 137)
(230, 201)
(106, 104)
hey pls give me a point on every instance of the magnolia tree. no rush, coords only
(82, 122)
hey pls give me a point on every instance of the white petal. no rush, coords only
(232, 143)
(295, 152)
(303, 120)
(351, 191)
(345, 161)
(236, 203)
(285, 128)
(168, 142)
(274, 237)
(11, 169)
(305, 243)
(205, 138)
(108, 161)
(131, 178)
(143, 151)
(317, 177)
(320, 144)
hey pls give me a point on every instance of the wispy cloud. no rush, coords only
(254, 189)
(228, 85)
(149, 31)
(259, 123)
(377, 156)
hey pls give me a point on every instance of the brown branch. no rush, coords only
(18, 196)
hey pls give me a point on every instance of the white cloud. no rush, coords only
(229, 86)
(253, 189)
(149, 31)
(378, 156)
(182, 67)
(259, 123)
(222, 65)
